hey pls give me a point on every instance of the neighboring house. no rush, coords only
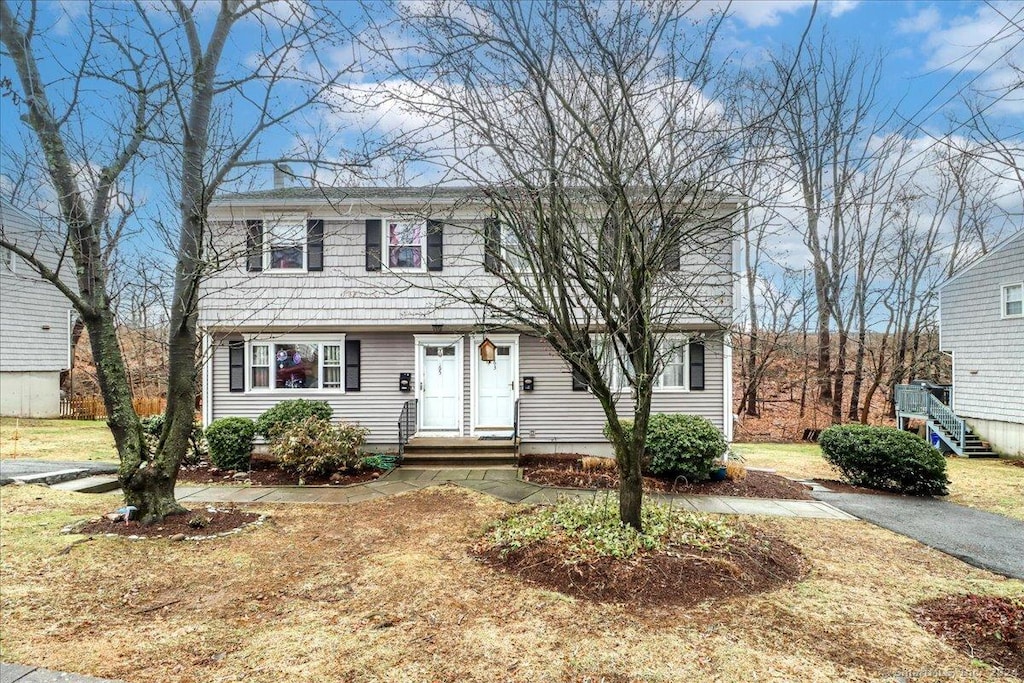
(35, 321)
(334, 295)
(981, 324)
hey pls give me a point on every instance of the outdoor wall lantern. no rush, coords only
(488, 350)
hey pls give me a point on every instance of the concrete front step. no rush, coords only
(449, 459)
(95, 484)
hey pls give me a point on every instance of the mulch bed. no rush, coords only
(837, 486)
(983, 627)
(568, 472)
(207, 521)
(267, 473)
(754, 563)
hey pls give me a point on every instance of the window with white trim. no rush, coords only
(284, 365)
(286, 245)
(1013, 301)
(406, 243)
(674, 375)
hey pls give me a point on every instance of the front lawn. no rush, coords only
(56, 440)
(389, 590)
(996, 485)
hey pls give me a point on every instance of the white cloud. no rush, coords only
(984, 45)
(924, 21)
(757, 13)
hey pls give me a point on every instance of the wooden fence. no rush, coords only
(92, 408)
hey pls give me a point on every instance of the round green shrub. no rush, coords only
(885, 458)
(287, 413)
(686, 445)
(230, 442)
(680, 445)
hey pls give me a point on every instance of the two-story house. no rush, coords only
(981, 325)
(35, 320)
(339, 295)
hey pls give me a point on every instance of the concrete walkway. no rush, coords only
(49, 471)
(502, 483)
(979, 538)
(19, 673)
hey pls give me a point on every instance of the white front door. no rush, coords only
(495, 389)
(440, 393)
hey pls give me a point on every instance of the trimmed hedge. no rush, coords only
(680, 445)
(285, 414)
(885, 458)
(230, 440)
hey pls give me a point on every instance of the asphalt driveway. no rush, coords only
(979, 538)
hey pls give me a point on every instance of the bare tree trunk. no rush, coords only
(858, 374)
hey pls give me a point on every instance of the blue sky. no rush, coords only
(933, 52)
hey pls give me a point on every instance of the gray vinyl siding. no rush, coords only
(988, 350)
(33, 313)
(376, 406)
(345, 294)
(552, 413)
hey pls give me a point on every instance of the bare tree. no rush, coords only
(174, 95)
(597, 136)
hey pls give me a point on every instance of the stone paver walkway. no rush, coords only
(503, 483)
(19, 673)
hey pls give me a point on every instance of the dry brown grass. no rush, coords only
(56, 440)
(735, 471)
(388, 591)
(591, 463)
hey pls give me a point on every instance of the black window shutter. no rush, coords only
(315, 245)
(671, 252)
(352, 365)
(435, 245)
(236, 365)
(373, 239)
(492, 245)
(697, 366)
(254, 246)
(579, 381)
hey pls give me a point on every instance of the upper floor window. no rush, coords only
(286, 245)
(1013, 301)
(405, 243)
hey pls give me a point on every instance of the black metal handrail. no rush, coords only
(515, 428)
(406, 425)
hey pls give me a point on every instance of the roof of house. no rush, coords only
(342, 193)
(994, 250)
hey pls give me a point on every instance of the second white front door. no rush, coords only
(440, 390)
(495, 389)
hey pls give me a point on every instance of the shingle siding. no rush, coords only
(345, 293)
(988, 350)
(33, 313)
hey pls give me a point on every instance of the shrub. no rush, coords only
(681, 445)
(197, 447)
(287, 413)
(230, 440)
(885, 458)
(314, 446)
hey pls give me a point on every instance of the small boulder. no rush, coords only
(114, 516)
(337, 478)
(178, 537)
(375, 475)
(240, 475)
(214, 470)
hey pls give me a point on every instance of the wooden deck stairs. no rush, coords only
(952, 431)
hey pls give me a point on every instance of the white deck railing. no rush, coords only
(913, 400)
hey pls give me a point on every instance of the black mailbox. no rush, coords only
(405, 381)
(528, 383)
